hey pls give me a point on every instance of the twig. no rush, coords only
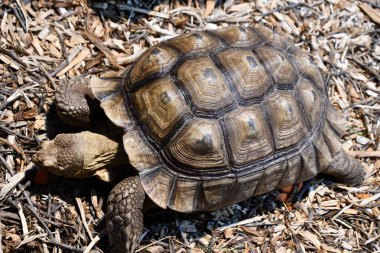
(68, 14)
(370, 199)
(241, 223)
(290, 6)
(24, 225)
(15, 147)
(144, 11)
(63, 246)
(16, 13)
(1, 236)
(153, 243)
(189, 11)
(47, 75)
(13, 56)
(16, 94)
(370, 107)
(9, 131)
(94, 241)
(83, 217)
(342, 211)
(30, 239)
(99, 44)
(35, 214)
(26, 24)
(363, 154)
(16, 179)
(372, 3)
(6, 166)
(372, 71)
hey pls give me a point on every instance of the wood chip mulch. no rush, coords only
(42, 42)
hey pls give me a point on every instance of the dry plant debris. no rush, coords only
(42, 42)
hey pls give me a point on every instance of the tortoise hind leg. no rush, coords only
(345, 169)
(334, 161)
(125, 215)
(76, 104)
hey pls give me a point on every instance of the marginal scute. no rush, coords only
(286, 119)
(323, 152)
(140, 155)
(157, 183)
(292, 171)
(116, 111)
(107, 84)
(216, 193)
(206, 85)
(335, 120)
(109, 91)
(309, 163)
(196, 42)
(272, 176)
(306, 68)
(156, 60)
(246, 72)
(246, 184)
(160, 106)
(272, 39)
(333, 143)
(248, 135)
(239, 36)
(199, 145)
(278, 65)
(183, 195)
(312, 101)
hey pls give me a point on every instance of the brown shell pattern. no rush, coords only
(215, 117)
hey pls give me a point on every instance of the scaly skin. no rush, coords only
(345, 169)
(72, 101)
(125, 215)
(80, 155)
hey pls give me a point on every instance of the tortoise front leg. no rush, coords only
(73, 100)
(76, 104)
(125, 215)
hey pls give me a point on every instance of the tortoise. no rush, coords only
(209, 119)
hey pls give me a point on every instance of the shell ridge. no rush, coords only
(227, 78)
(226, 143)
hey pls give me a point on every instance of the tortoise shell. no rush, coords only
(214, 117)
